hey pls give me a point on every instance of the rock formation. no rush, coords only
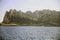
(42, 17)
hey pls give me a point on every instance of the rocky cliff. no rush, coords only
(42, 17)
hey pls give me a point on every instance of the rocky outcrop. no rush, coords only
(43, 17)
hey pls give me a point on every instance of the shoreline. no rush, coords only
(2, 24)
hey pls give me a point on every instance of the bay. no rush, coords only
(29, 33)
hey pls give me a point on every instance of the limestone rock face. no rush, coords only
(46, 17)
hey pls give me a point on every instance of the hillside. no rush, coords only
(38, 17)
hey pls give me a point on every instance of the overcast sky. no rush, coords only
(26, 5)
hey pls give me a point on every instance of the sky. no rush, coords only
(27, 5)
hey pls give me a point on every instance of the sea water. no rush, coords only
(29, 32)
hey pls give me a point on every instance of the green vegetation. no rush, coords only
(40, 18)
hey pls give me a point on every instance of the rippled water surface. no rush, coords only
(29, 33)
